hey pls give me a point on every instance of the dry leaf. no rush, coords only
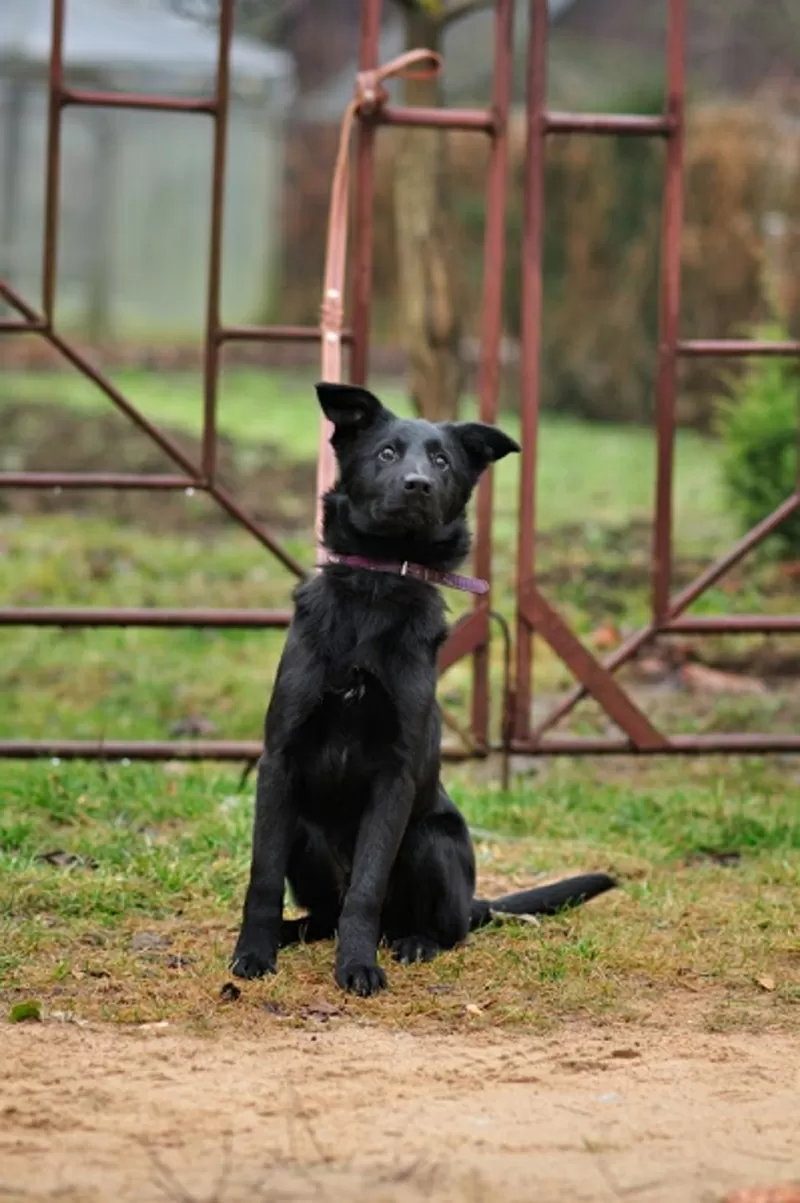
(699, 679)
(789, 1192)
(473, 1009)
(766, 982)
(321, 1009)
(605, 638)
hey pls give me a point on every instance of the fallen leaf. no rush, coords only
(766, 982)
(322, 1010)
(605, 638)
(179, 961)
(699, 679)
(719, 856)
(788, 1192)
(25, 1012)
(66, 860)
(473, 1009)
(149, 941)
(230, 993)
(67, 1017)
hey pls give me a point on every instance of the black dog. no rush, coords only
(349, 805)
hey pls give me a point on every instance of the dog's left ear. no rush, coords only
(349, 407)
(483, 444)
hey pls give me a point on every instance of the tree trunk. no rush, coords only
(426, 257)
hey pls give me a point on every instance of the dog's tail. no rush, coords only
(544, 900)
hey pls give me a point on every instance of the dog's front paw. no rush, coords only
(360, 979)
(250, 963)
(413, 949)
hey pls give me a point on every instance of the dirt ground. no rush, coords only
(338, 1110)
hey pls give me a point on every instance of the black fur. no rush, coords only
(349, 805)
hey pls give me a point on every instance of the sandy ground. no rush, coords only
(335, 1110)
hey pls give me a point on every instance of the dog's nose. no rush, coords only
(414, 483)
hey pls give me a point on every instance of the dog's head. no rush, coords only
(404, 479)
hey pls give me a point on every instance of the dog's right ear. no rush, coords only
(350, 408)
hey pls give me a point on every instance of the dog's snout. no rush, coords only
(415, 483)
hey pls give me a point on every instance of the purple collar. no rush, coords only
(431, 576)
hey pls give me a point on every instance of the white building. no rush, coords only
(135, 185)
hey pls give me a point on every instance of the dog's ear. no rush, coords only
(349, 407)
(483, 444)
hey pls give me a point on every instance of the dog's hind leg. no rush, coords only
(428, 909)
(315, 885)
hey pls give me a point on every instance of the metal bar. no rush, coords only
(11, 325)
(83, 365)
(734, 348)
(154, 750)
(624, 652)
(491, 335)
(734, 624)
(595, 678)
(483, 120)
(676, 607)
(53, 169)
(122, 749)
(80, 97)
(468, 634)
(93, 480)
(683, 745)
(608, 123)
(531, 326)
(264, 536)
(212, 344)
(83, 616)
(669, 310)
(712, 574)
(274, 334)
(220, 495)
(361, 279)
(244, 750)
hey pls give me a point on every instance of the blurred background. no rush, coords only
(132, 271)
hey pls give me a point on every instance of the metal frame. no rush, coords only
(533, 613)
(470, 637)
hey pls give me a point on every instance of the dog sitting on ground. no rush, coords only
(349, 805)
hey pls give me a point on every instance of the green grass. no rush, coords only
(171, 843)
(146, 933)
(594, 497)
(592, 475)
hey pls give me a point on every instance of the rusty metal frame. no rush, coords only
(534, 614)
(471, 636)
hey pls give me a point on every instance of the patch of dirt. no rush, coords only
(43, 437)
(338, 1110)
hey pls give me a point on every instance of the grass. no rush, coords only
(597, 475)
(594, 498)
(709, 858)
(146, 934)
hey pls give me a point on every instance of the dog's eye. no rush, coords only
(387, 454)
(441, 461)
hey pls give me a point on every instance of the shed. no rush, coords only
(136, 185)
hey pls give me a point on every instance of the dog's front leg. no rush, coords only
(257, 947)
(379, 838)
